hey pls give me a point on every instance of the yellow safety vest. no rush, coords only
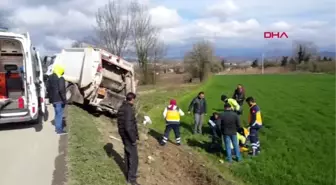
(173, 115)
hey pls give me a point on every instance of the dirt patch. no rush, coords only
(168, 165)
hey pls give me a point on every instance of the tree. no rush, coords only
(77, 44)
(304, 51)
(145, 37)
(199, 59)
(284, 61)
(114, 26)
(255, 63)
(325, 59)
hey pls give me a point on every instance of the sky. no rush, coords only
(229, 24)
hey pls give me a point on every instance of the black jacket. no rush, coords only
(127, 124)
(56, 89)
(229, 123)
(198, 105)
(239, 96)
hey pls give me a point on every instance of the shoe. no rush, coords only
(133, 183)
(178, 144)
(62, 133)
(162, 143)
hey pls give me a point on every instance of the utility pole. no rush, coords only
(262, 63)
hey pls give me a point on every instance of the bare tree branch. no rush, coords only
(145, 36)
(199, 59)
(113, 26)
(304, 51)
(77, 44)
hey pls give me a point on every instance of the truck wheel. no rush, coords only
(69, 92)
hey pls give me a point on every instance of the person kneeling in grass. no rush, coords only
(229, 124)
(172, 115)
(215, 130)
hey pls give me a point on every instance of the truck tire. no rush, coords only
(69, 93)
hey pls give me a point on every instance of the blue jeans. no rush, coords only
(59, 111)
(227, 140)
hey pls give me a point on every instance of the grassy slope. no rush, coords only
(299, 127)
(88, 162)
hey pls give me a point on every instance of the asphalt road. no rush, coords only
(32, 154)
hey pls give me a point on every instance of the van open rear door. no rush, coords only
(42, 86)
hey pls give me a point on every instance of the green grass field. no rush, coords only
(88, 162)
(298, 137)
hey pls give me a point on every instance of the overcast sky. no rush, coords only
(228, 23)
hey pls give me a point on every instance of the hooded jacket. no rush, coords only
(56, 85)
(172, 113)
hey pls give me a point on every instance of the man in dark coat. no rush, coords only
(199, 106)
(229, 124)
(57, 96)
(128, 130)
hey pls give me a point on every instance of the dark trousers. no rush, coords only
(169, 127)
(254, 139)
(215, 134)
(131, 160)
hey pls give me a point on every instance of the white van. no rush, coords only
(21, 80)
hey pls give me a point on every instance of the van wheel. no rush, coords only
(69, 92)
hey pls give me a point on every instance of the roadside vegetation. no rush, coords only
(299, 117)
(87, 160)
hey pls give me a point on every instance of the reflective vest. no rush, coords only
(173, 115)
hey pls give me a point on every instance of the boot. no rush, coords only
(133, 183)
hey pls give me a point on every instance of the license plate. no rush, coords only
(102, 91)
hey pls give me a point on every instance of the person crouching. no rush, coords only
(172, 114)
(215, 130)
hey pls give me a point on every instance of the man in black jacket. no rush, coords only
(57, 96)
(229, 124)
(239, 96)
(199, 107)
(128, 130)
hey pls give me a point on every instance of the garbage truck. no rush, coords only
(94, 77)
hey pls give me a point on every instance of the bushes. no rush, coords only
(317, 67)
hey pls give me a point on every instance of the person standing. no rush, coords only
(199, 106)
(255, 123)
(229, 124)
(57, 96)
(239, 96)
(128, 131)
(172, 115)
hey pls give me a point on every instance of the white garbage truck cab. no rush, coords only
(22, 90)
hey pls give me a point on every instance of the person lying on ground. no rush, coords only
(172, 114)
(255, 123)
(233, 104)
(229, 124)
(199, 106)
(215, 130)
(242, 139)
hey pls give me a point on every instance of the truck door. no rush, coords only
(42, 86)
